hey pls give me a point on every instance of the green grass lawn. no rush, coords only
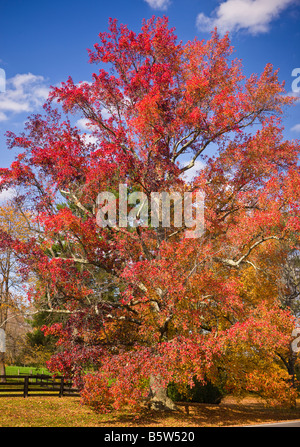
(15, 383)
(16, 370)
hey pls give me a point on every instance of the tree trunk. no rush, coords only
(291, 370)
(158, 399)
(2, 367)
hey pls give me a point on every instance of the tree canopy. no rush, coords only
(144, 301)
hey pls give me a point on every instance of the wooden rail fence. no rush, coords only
(36, 385)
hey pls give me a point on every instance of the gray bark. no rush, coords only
(158, 399)
(2, 366)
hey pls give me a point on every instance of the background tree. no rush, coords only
(38, 348)
(147, 305)
(13, 303)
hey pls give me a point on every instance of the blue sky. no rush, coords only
(43, 42)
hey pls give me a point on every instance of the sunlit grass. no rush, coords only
(53, 411)
(16, 370)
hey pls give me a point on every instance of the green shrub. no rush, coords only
(202, 393)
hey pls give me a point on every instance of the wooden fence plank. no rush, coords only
(36, 385)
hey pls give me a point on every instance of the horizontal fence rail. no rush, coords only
(36, 385)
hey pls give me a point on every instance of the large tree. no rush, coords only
(146, 304)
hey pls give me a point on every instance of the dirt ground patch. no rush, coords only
(68, 412)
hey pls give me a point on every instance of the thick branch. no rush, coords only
(76, 202)
(236, 264)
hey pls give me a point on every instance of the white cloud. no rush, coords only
(3, 117)
(189, 174)
(7, 195)
(294, 95)
(254, 16)
(296, 128)
(88, 138)
(82, 123)
(24, 93)
(159, 4)
(19, 80)
(85, 125)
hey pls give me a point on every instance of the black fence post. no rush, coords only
(26, 386)
(61, 390)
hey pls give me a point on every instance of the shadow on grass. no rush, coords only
(205, 415)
